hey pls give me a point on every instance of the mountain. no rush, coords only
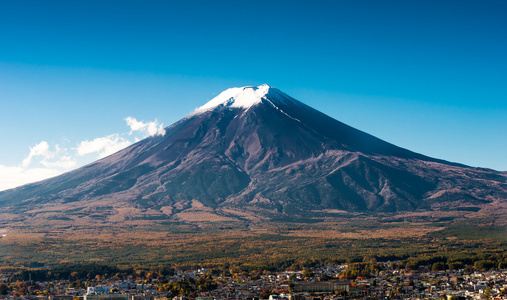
(253, 152)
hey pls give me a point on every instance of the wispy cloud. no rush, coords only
(147, 128)
(64, 162)
(104, 146)
(45, 160)
(15, 176)
(41, 153)
(41, 149)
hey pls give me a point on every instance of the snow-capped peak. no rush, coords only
(240, 97)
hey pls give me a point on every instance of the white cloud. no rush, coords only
(148, 128)
(41, 153)
(41, 149)
(41, 163)
(45, 160)
(104, 146)
(11, 177)
(65, 162)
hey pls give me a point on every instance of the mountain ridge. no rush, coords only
(258, 150)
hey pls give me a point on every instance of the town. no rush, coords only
(324, 282)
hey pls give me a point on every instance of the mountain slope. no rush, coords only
(255, 149)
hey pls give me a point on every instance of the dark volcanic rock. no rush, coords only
(256, 148)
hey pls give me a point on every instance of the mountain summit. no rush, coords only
(257, 151)
(243, 97)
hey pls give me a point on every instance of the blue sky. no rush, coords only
(430, 76)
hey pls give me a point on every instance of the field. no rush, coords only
(205, 238)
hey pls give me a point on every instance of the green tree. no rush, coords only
(265, 294)
(324, 277)
(487, 293)
(4, 289)
(307, 273)
(438, 266)
(456, 265)
(484, 265)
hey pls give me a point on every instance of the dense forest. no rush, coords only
(359, 266)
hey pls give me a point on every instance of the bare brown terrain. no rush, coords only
(267, 182)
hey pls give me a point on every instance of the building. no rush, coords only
(321, 286)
